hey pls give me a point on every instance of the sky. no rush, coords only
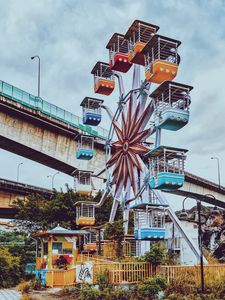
(71, 35)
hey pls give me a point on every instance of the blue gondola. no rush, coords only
(166, 167)
(85, 154)
(150, 233)
(91, 111)
(85, 149)
(172, 101)
(149, 218)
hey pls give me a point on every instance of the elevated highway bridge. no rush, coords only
(40, 131)
(12, 190)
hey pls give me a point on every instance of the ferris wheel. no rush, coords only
(138, 166)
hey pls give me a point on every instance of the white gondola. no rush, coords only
(82, 182)
(85, 213)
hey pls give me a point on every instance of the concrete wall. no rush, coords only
(45, 144)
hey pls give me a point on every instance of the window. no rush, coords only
(57, 248)
(68, 251)
(45, 249)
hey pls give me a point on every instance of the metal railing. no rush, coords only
(20, 96)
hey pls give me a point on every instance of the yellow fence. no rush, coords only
(60, 278)
(192, 273)
(128, 272)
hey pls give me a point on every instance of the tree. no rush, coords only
(40, 213)
(21, 246)
(115, 231)
(9, 268)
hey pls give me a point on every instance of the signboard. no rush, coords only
(84, 273)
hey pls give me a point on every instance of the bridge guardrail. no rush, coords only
(20, 96)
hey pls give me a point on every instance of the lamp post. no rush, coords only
(53, 177)
(18, 171)
(39, 72)
(184, 214)
(215, 210)
(218, 168)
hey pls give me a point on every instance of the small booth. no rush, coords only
(161, 58)
(85, 148)
(172, 101)
(104, 80)
(138, 35)
(82, 182)
(92, 114)
(166, 166)
(57, 249)
(118, 53)
(85, 213)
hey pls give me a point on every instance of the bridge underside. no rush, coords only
(11, 191)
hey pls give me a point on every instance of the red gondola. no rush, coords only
(118, 53)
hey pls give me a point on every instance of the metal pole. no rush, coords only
(200, 245)
(218, 168)
(39, 73)
(18, 170)
(53, 177)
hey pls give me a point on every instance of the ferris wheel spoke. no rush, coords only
(142, 120)
(118, 131)
(141, 136)
(115, 158)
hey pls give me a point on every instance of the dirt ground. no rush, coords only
(49, 294)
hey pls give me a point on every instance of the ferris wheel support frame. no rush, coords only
(138, 90)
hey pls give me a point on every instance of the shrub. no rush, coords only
(151, 287)
(35, 284)
(24, 287)
(103, 280)
(89, 293)
(157, 254)
(10, 268)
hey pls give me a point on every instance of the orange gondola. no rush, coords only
(138, 35)
(161, 58)
(104, 81)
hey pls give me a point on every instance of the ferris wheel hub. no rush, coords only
(125, 146)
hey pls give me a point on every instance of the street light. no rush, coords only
(199, 240)
(18, 171)
(39, 72)
(53, 177)
(218, 168)
(215, 210)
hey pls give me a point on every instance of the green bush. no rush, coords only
(151, 287)
(103, 280)
(157, 254)
(10, 272)
(89, 293)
